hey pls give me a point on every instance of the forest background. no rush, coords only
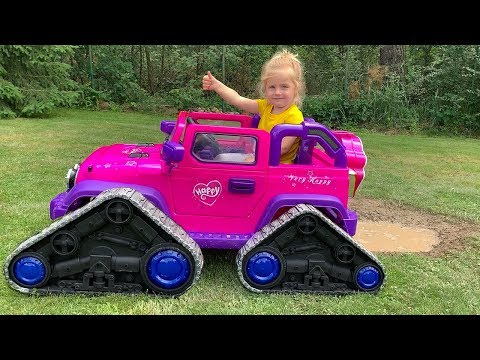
(431, 89)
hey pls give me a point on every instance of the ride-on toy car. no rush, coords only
(135, 217)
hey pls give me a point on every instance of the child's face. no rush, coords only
(280, 91)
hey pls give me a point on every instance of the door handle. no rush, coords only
(241, 186)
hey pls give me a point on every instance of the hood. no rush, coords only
(120, 162)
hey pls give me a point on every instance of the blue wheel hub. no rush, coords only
(368, 277)
(263, 267)
(168, 269)
(29, 270)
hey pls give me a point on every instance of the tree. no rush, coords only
(393, 56)
(35, 79)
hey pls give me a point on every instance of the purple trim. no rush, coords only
(61, 203)
(351, 222)
(313, 131)
(56, 206)
(277, 134)
(255, 120)
(305, 151)
(219, 240)
(307, 130)
(349, 217)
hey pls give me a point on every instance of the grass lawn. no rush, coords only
(440, 175)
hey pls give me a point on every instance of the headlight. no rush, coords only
(72, 176)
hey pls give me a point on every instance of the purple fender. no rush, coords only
(328, 202)
(71, 200)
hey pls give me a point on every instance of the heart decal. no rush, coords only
(208, 193)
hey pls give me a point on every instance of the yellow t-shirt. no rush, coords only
(292, 115)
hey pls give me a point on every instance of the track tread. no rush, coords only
(139, 202)
(263, 236)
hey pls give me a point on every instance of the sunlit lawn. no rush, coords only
(440, 175)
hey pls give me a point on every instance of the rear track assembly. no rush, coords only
(304, 251)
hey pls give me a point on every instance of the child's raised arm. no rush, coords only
(209, 82)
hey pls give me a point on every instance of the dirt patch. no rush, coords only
(384, 237)
(388, 227)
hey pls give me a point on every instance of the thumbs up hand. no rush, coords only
(209, 82)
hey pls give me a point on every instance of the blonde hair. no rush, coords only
(279, 61)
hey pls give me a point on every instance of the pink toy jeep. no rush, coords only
(135, 217)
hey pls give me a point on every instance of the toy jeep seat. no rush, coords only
(305, 150)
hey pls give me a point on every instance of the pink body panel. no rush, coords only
(219, 211)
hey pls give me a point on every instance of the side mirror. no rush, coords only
(172, 152)
(167, 126)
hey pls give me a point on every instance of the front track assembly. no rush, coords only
(304, 251)
(118, 243)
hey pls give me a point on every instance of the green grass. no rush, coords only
(441, 175)
(438, 175)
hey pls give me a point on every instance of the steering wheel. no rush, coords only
(205, 141)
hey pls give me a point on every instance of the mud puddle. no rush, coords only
(389, 227)
(383, 236)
